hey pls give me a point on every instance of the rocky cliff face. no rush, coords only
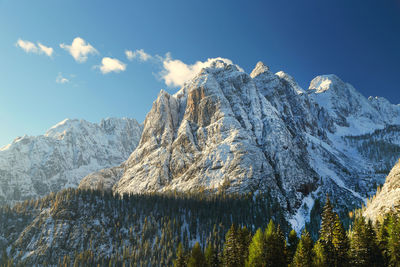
(31, 167)
(228, 130)
(219, 130)
(387, 198)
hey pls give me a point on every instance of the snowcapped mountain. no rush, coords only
(228, 130)
(35, 166)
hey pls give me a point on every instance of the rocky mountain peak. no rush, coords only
(323, 83)
(259, 69)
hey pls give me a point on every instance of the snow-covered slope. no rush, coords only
(228, 130)
(352, 112)
(34, 166)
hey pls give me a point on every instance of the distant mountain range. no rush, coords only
(32, 167)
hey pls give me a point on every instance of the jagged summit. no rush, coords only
(285, 76)
(322, 83)
(259, 69)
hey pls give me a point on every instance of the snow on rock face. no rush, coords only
(388, 198)
(219, 129)
(34, 166)
(254, 133)
(103, 179)
(352, 113)
(259, 69)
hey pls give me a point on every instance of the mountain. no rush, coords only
(231, 131)
(228, 147)
(32, 167)
(387, 198)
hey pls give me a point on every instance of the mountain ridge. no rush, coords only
(33, 166)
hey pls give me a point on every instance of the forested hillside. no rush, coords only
(99, 227)
(88, 228)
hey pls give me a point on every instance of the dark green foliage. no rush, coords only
(364, 250)
(157, 230)
(340, 243)
(145, 229)
(304, 252)
(180, 260)
(232, 248)
(196, 258)
(293, 240)
(327, 232)
(319, 259)
(257, 250)
(393, 245)
(211, 255)
(275, 246)
(382, 236)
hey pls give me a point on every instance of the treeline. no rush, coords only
(93, 228)
(88, 227)
(364, 244)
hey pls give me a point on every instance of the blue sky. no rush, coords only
(358, 40)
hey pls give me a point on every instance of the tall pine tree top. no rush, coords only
(328, 222)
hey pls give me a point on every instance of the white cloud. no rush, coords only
(45, 49)
(30, 47)
(61, 79)
(27, 46)
(79, 49)
(129, 55)
(175, 73)
(111, 65)
(138, 53)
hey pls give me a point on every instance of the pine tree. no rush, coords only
(382, 236)
(319, 255)
(243, 242)
(394, 241)
(304, 252)
(180, 257)
(197, 258)
(364, 250)
(274, 246)
(232, 248)
(256, 256)
(281, 244)
(327, 231)
(211, 255)
(340, 243)
(293, 240)
(372, 243)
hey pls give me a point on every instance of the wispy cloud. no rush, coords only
(30, 47)
(79, 49)
(27, 46)
(60, 79)
(45, 49)
(111, 65)
(138, 53)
